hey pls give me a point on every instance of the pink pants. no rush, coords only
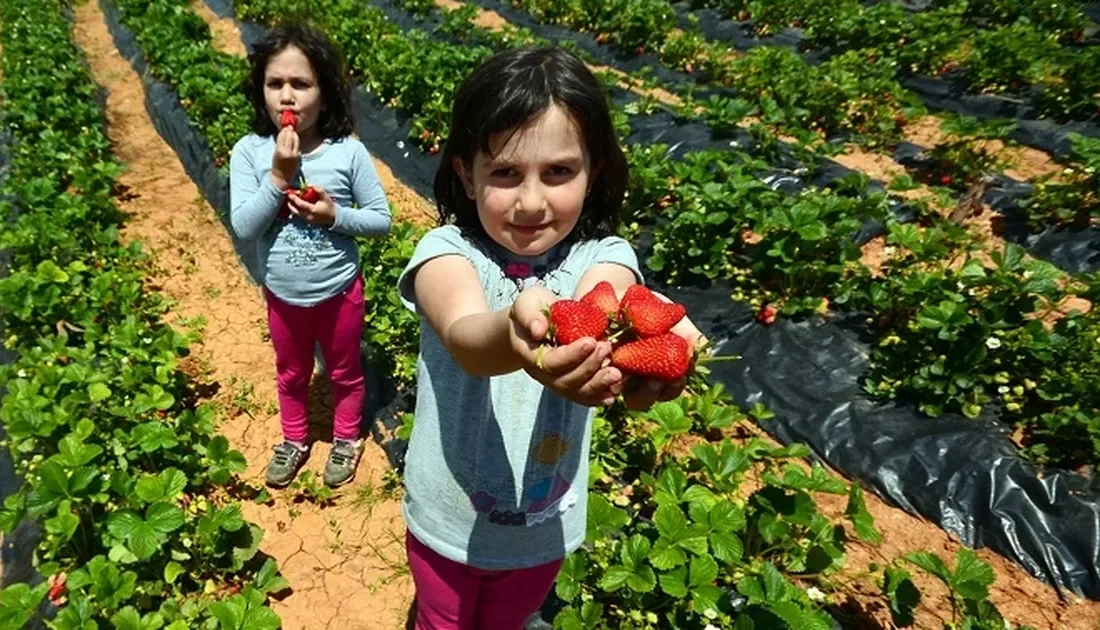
(453, 596)
(337, 325)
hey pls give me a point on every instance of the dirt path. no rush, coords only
(345, 562)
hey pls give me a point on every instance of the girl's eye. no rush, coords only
(503, 172)
(560, 171)
(301, 85)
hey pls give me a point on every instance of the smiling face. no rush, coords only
(291, 84)
(531, 190)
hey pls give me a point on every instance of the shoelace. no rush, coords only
(284, 454)
(343, 454)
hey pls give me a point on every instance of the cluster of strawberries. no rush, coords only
(639, 328)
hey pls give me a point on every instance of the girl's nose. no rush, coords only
(286, 93)
(532, 198)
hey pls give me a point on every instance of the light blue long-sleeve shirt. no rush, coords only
(304, 264)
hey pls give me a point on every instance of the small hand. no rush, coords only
(286, 159)
(320, 212)
(576, 371)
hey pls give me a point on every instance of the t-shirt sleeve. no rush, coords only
(614, 249)
(441, 241)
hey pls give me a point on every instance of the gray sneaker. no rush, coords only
(284, 464)
(342, 461)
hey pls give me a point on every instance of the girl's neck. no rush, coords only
(309, 140)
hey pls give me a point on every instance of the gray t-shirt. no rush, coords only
(496, 473)
(301, 263)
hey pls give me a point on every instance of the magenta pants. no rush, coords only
(337, 326)
(453, 596)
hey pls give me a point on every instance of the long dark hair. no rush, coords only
(336, 120)
(511, 88)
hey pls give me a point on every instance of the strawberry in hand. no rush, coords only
(603, 297)
(665, 358)
(647, 314)
(288, 119)
(571, 320)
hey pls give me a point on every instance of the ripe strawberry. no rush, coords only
(309, 194)
(288, 119)
(58, 588)
(571, 320)
(767, 315)
(663, 358)
(647, 314)
(945, 180)
(603, 297)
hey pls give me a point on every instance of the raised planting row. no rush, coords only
(1033, 48)
(682, 546)
(121, 469)
(961, 163)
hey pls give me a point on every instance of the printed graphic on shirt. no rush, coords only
(545, 498)
(305, 242)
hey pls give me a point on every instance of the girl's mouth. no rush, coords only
(529, 230)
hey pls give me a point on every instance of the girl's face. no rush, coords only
(530, 193)
(290, 83)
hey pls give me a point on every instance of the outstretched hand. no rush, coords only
(578, 371)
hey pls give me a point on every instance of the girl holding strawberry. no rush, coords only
(305, 234)
(529, 190)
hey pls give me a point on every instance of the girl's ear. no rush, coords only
(464, 175)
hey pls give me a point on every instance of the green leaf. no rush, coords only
(972, 576)
(164, 518)
(268, 579)
(930, 563)
(674, 582)
(860, 518)
(165, 486)
(130, 619)
(172, 570)
(635, 550)
(19, 602)
(74, 453)
(797, 618)
(775, 585)
(98, 392)
(902, 594)
(642, 580)
(671, 485)
(604, 520)
(726, 546)
(671, 417)
(571, 577)
(704, 571)
(48, 271)
(704, 598)
(665, 555)
(670, 521)
(615, 578)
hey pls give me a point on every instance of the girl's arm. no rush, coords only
(254, 201)
(372, 217)
(488, 343)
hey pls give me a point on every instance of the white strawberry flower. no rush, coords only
(992, 343)
(815, 594)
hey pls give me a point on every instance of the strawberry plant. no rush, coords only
(1072, 196)
(682, 546)
(953, 334)
(120, 467)
(968, 591)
